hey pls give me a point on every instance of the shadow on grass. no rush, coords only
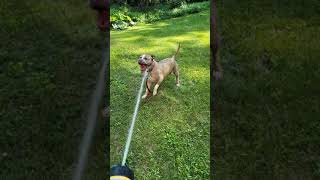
(48, 70)
(264, 124)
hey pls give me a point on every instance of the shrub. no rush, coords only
(142, 4)
(121, 21)
(175, 3)
(125, 16)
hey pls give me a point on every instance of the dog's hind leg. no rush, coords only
(176, 73)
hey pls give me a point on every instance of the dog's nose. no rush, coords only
(140, 61)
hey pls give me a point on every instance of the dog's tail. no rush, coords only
(174, 56)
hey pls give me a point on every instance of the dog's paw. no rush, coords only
(154, 93)
(178, 85)
(144, 96)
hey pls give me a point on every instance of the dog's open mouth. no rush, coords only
(143, 67)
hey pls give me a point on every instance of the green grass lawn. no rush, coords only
(268, 107)
(49, 58)
(171, 135)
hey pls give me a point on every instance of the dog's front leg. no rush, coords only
(155, 89)
(147, 90)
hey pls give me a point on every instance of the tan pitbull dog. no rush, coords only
(158, 70)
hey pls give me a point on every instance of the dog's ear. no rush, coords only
(152, 57)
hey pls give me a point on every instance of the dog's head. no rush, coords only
(145, 61)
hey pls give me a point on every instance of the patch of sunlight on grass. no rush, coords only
(160, 52)
(130, 38)
(197, 73)
(143, 27)
(180, 38)
(202, 36)
(146, 26)
(130, 66)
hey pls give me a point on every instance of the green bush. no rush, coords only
(124, 16)
(175, 3)
(120, 17)
(142, 4)
(120, 21)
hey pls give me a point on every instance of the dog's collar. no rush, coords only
(150, 68)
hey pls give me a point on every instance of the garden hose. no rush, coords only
(120, 172)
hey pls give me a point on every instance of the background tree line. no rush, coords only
(147, 3)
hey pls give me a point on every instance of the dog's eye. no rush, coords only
(144, 58)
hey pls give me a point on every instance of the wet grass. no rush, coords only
(267, 114)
